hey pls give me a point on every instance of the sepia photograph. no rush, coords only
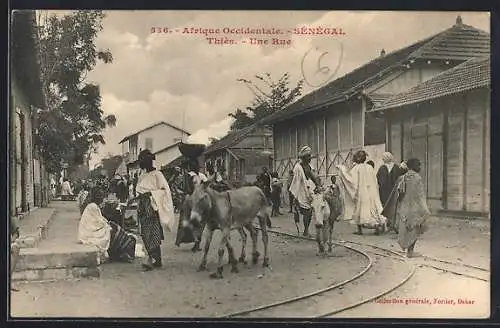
(249, 164)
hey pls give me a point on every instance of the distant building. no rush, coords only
(29, 181)
(161, 139)
(242, 154)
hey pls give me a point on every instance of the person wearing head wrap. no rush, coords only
(113, 241)
(359, 189)
(387, 175)
(302, 187)
(191, 178)
(411, 211)
(155, 209)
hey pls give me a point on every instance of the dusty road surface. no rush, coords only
(178, 290)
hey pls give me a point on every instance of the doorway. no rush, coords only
(427, 145)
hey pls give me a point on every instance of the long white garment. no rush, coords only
(66, 189)
(161, 197)
(94, 229)
(359, 189)
(301, 187)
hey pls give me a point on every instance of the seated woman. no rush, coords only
(94, 229)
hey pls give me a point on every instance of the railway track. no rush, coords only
(314, 304)
(455, 268)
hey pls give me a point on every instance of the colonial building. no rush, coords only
(445, 122)
(241, 154)
(28, 177)
(335, 120)
(161, 138)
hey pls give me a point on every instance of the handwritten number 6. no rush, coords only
(325, 69)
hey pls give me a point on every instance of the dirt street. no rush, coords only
(178, 290)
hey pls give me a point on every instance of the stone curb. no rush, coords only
(54, 274)
(36, 259)
(32, 240)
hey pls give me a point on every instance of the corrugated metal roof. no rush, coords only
(230, 139)
(469, 75)
(460, 42)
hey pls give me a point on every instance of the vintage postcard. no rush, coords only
(237, 164)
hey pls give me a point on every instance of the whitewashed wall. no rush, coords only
(166, 156)
(162, 135)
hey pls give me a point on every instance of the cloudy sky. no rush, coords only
(182, 79)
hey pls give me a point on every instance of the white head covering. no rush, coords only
(304, 151)
(387, 157)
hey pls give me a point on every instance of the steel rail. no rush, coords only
(308, 295)
(423, 256)
(331, 287)
(383, 293)
(430, 265)
(453, 272)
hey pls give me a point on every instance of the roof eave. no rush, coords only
(329, 102)
(384, 108)
(167, 148)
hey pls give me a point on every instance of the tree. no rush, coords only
(71, 126)
(275, 96)
(212, 140)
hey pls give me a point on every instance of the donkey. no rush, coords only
(232, 209)
(326, 208)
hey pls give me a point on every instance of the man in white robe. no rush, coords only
(302, 187)
(359, 189)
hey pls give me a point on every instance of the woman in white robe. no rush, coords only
(113, 242)
(359, 188)
(93, 228)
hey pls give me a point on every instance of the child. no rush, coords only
(334, 199)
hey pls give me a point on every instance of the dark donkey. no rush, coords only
(228, 210)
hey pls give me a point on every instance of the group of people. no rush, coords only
(154, 212)
(391, 198)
